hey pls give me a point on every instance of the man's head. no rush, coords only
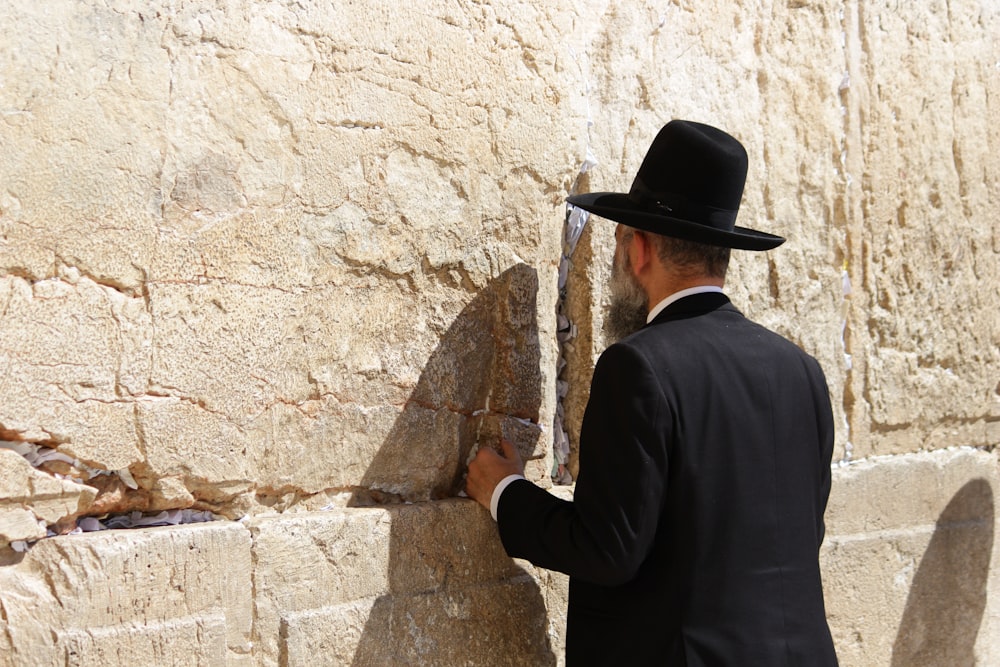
(677, 220)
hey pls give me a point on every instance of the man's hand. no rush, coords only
(488, 468)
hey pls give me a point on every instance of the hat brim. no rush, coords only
(619, 208)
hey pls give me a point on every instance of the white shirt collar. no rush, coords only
(676, 296)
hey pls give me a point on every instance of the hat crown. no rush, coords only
(694, 167)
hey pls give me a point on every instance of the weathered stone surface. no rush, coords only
(70, 353)
(873, 159)
(30, 500)
(177, 595)
(197, 640)
(907, 560)
(424, 584)
(921, 150)
(497, 624)
(258, 230)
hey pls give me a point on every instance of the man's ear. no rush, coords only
(640, 252)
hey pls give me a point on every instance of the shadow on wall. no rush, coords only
(948, 596)
(483, 379)
(454, 597)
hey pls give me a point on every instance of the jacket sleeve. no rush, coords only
(825, 429)
(605, 534)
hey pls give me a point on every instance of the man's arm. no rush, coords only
(605, 534)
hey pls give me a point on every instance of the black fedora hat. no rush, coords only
(689, 186)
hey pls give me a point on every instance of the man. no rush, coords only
(697, 518)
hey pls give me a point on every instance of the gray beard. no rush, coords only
(627, 312)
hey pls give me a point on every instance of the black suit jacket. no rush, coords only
(694, 533)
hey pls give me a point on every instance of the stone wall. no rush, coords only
(290, 263)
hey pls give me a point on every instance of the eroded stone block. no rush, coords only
(122, 593)
(31, 501)
(405, 578)
(197, 641)
(494, 624)
(907, 560)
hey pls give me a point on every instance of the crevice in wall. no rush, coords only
(255, 593)
(112, 489)
(72, 274)
(576, 220)
(283, 498)
(45, 457)
(847, 207)
(573, 227)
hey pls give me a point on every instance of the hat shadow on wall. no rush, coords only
(947, 598)
(454, 596)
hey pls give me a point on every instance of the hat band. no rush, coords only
(675, 205)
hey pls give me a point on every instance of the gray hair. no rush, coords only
(691, 257)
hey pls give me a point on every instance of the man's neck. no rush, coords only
(662, 289)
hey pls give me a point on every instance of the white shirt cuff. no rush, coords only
(498, 490)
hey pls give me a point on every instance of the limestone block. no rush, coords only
(327, 635)
(197, 640)
(78, 163)
(426, 583)
(18, 524)
(484, 625)
(72, 353)
(160, 595)
(193, 457)
(906, 560)
(555, 592)
(276, 398)
(482, 380)
(30, 500)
